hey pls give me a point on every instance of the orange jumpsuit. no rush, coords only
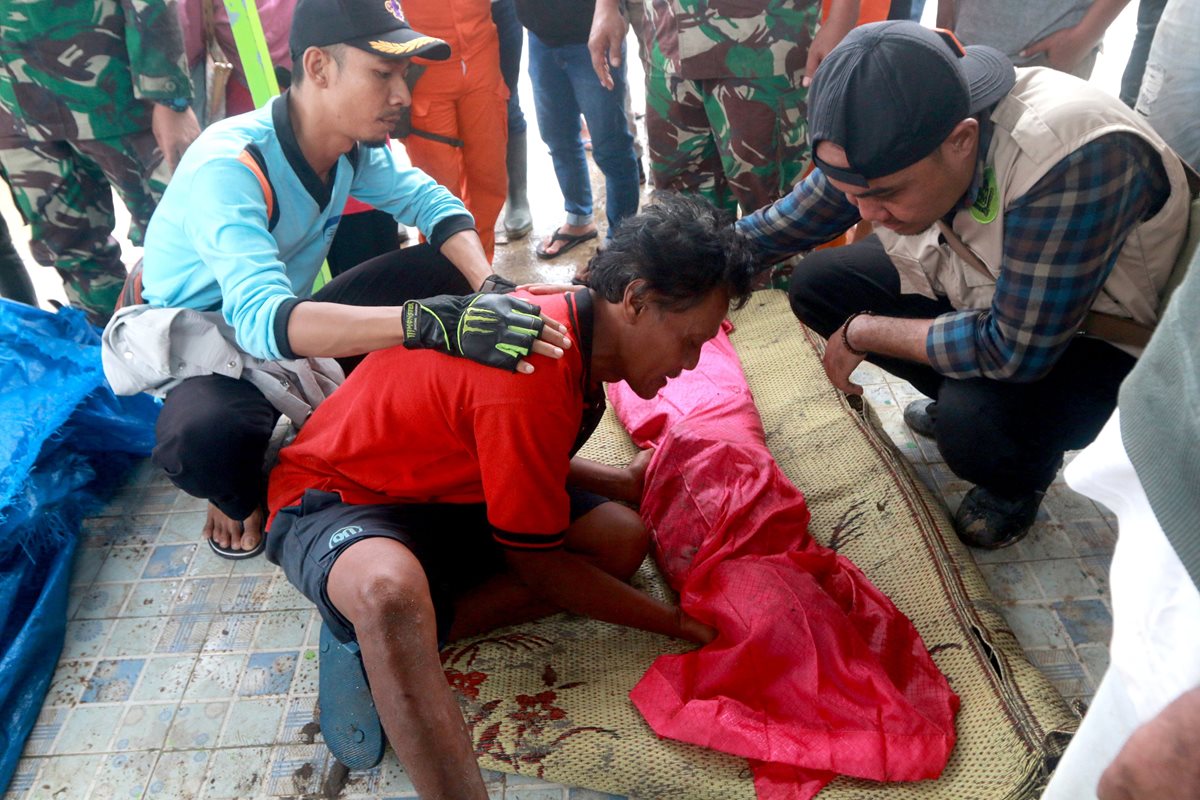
(463, 98)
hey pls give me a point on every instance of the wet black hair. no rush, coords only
(682, 247)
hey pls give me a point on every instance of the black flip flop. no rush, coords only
(238, 555)
(569, 243)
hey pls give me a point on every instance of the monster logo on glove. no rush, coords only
(494, 329)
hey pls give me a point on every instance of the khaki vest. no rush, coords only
(1045, 117)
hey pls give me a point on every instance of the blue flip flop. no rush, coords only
(349, 721)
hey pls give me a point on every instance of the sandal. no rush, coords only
(569, 243)
(349, 722)
(238, 555)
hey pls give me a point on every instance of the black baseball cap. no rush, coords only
(377, 26)
(890, 93)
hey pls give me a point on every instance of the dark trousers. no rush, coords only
(512, 42)
(14, 280)
(213, 431)
(360, 237)
(1008, 437)
(1149, 12)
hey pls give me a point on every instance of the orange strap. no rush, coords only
(868, 11)
(268, 195)
(131, 292)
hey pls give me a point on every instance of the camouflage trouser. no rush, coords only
(64, 191)
(635, 12)
(734, 141)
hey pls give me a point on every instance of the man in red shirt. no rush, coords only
(431, 498)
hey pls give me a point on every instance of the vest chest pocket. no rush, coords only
(972, 288)
(916, 259)
(913, 279)
(967, 280)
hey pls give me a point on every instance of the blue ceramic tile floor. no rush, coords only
(186, 676)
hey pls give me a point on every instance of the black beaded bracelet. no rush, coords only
(846, 336)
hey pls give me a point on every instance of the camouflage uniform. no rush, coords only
(725, 109)
(77, 81)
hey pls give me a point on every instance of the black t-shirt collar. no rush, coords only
(583, 320)
(320, 191)
(582, 317)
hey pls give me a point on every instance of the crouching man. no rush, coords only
(433, 498)
(224, 323)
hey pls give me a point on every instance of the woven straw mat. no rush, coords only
(550, 699)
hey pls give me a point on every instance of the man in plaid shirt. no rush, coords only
(1025, 226)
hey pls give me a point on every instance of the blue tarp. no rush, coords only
(65, 443)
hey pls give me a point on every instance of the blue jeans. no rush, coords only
(512, 38)
(564, 86)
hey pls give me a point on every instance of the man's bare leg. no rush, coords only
(232, 534)
(379, 586)
(611, 536)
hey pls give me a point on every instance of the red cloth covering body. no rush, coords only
(814, 671)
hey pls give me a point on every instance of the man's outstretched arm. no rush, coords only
(336, 330)
(510, 329)
(465, 251)
(624, 484)
(573, 584)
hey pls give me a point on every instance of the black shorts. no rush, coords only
(453, 543)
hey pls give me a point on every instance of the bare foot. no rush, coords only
(231, 534)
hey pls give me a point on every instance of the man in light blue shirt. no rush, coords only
(247, 221)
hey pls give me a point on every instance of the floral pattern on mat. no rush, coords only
(523, 730)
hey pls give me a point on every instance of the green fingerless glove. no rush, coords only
(494, 329)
